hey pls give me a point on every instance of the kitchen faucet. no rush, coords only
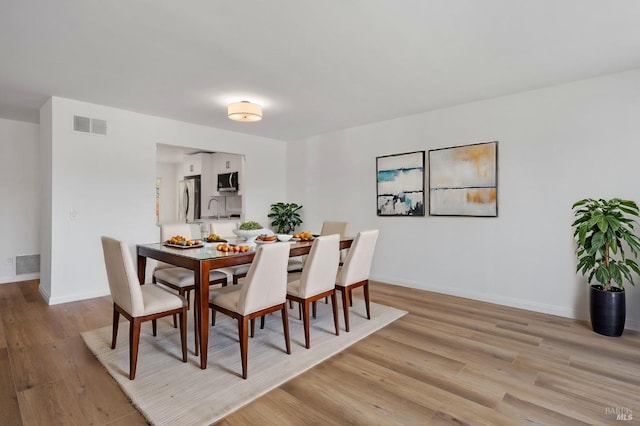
(217, 206)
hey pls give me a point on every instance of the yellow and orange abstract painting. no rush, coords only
(463, 180)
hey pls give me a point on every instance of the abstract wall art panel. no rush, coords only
(463, 180)
(400, 184)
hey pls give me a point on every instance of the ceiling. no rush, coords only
(315, 66)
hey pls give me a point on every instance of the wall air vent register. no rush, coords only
(89, 125)
(28, 264)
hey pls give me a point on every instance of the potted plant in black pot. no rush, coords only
(285, 217)
(603, 230)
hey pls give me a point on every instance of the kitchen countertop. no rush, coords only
(216, 219)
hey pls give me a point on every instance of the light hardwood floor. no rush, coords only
(449, 361)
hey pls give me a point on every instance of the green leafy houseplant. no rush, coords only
(602, 229)
(285, 217)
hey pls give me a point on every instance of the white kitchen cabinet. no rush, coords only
(192, 164)
(226, 163)
(232, 163)
(216, 159)
(216, 166)
(208, 186)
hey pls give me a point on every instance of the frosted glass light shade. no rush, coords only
(244, 111)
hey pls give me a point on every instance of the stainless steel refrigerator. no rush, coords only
(189, 199)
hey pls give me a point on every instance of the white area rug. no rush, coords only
(169, 392)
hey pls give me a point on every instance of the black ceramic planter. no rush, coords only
(608, 310)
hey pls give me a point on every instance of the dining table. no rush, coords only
(201, 260)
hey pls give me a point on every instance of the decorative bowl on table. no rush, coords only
(266, 238)
(284, 237)
(249, 235)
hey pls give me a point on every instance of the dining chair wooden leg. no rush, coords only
(300, 311)
(366, 298)
(334, 306)
(213, 317)
(253, 325)
(345, 308)
(313, 308)
(154, 327)
(285, 326)
(243, 333)
(134, 341)
(114, 331)
(305, 322)
(186, 294)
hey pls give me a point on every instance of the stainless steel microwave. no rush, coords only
(228, 181)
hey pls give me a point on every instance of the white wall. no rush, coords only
(46, 164)
(19, 196)
(556, 146)
(170, 174)
(109, 182)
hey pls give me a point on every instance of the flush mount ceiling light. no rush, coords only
(244, 111)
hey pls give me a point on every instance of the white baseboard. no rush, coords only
(561, 311)
(70, 298)
(45, 295)
(19, 278)
(75, 297)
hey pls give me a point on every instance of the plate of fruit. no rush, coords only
(178, 241)
(303, 236)
(232, 249)
(214, 238)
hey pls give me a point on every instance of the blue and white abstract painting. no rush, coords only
(400, 184)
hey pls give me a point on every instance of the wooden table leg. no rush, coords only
(202, 305)
(142, 268)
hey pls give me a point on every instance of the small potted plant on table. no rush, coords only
(285, 217)
(603, 229)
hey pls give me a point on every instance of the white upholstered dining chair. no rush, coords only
(334, 227)
(317, 280)
(225, 230)
(329, 227)
(182, 279)
(138, 303)
(264, 291)
(355, 271)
